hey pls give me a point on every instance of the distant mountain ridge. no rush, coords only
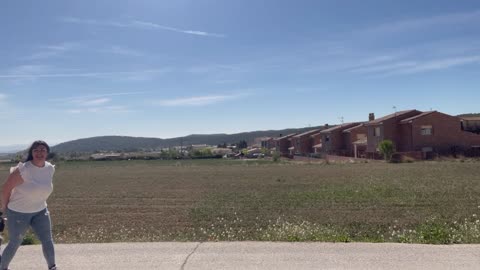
(130, 144)
(9, 149)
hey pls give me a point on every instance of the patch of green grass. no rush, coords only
(430, 231)
(434, 231)
(29, 239)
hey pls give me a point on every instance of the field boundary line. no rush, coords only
(189, 255)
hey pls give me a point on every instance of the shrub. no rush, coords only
(387, 148)
(276, 156)
(29, 239)
(435, 232)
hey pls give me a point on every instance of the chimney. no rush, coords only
(371, 116)
(280, 135)
(326, 126)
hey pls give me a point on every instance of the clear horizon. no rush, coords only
(169, 69)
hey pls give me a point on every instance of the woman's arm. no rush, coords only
(13, 180)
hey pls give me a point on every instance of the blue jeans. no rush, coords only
(18, 224)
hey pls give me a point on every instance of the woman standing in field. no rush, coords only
(24, 198)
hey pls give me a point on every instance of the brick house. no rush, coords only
(386, 128)
(471, 124)
(333, 139)
(355, 140)
(283, 143)
(267, 142)
(435, 132)
(302, 144)
(421, 134)
(317, 142)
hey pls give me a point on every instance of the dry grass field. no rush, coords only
(210, 200)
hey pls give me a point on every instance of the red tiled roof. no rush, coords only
(354, 127)
(346, 125)
(310, 132)
(404, 121)
(471, 118)
(390, 116)
(285, 137)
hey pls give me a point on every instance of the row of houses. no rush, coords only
(414, 133)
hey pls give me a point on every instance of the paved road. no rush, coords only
(252, 255)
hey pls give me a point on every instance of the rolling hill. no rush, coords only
(129, 144)
(469, 115)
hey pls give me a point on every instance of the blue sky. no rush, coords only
(76, 69)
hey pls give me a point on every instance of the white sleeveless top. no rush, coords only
(31, 196)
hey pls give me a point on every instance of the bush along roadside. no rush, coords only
(432, 231)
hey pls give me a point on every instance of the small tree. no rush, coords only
(276, 156)
(164, 154)
(173, 153)
(199, 153)
(53, 157)
(387, 148)
(18, 158)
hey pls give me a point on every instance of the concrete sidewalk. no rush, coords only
(252, 255)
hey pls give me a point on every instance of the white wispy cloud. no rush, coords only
(74, 111)
(225, 81)
(196, 101)
(36, 72)
(422, 23)
(104, 109)
(24, 73)
(2, 97)
(139, 25)
(384, 67)
(123, 51)
(439, 64)
(93, 102)
(48, 51)
(77, 99)
(410, 66)
(58, 50)
(215, 68)
(151, 25)
(92, 22)
(23, 70)
(98, 103)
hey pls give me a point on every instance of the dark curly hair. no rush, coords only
(35, 144)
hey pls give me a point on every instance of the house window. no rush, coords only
(327, 139)
(376, 132)
(426, 130)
